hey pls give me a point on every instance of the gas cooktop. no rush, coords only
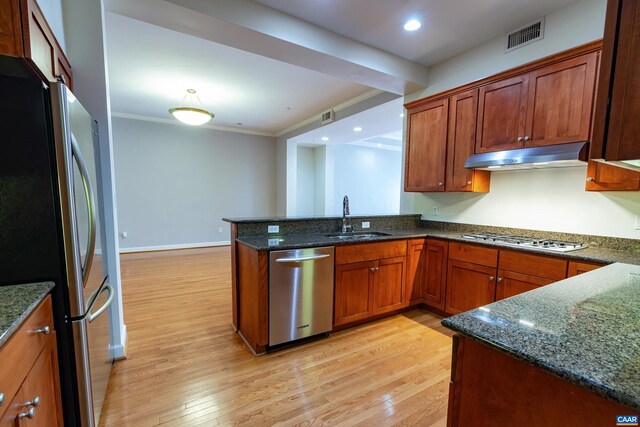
(507, 239)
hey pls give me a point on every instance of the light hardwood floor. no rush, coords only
(186, 366)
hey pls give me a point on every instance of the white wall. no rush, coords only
(552, 200)
(52, 11)
(176, 182)
(369, 176)
(306, 182)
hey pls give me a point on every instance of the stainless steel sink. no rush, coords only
(356, 235)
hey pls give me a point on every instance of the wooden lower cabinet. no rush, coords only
(435, 279)
(469, 286)
(490, 388)
(366, 289)
(29, 373)
(416, 272)
(510, 284)
(576, 268)
(353, 296)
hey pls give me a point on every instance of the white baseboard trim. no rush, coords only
(170, 247)
(119, 351)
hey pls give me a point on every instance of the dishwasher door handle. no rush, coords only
(303, 258)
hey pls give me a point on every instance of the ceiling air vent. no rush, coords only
(327, 117)
(524, 36)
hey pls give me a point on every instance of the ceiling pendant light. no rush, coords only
(191, 115)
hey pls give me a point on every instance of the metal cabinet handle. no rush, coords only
(1, 398)
(29, 414)
(519, 139)
(374, 269)
(589, 179)
(468, 182)
(499, 279)
(440, 184)
(491, 278)
(303, 258)
(35, 402)
(526, 138)
(46, 330)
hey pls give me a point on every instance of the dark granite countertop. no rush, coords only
(16, 303)
(307, 240)
(584, 329)
(311, 218)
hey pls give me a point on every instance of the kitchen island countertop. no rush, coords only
(584, 329)
(16, 303)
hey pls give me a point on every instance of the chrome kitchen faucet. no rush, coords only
(346, 222)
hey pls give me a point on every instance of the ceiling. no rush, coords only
(272, 64)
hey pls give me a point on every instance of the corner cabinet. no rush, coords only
(370, 280)
(426, 147)
(441, 135)
(616, 127)
(29, 376)
(24, 32)
(426, 273)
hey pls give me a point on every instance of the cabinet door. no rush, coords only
(560, 102)
(42, 383)
(10, 29)
(502, 114)
(576, 268)
(416, 273)
(436, 273)
(469, 286)
(11, 416)
(622, 141)
(510, 284)
(426, 147)
(604, 177)
(463, 117)
(388, 285)
(353, 292)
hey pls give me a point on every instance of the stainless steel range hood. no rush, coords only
(550, 156)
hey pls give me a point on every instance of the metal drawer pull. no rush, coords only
(303, 258)
(590, 179)
(34, 402)
(374, 269)
(29, 414)
(1, 398)
(46, 330)
(526, 138)
(519, 139)
(468, 182)
(491, 278)
(499, 279)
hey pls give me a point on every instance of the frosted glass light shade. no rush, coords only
(191, 116)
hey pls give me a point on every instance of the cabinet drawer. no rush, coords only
(370, 251)
(21, 351)
(473, 254)
(534, 265)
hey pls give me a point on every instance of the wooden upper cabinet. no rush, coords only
(502, 113)
(24, 32)
(461, 141)
(606, 177)
(426, 147)
(617, 126)
(560, 101)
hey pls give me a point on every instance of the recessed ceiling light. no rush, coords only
(325, 138)
(412, 25)
(401, 114)
(357, 129)
(379, 145)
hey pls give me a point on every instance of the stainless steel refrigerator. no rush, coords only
(51, 228)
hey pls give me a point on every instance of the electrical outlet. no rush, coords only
(124, 234)
(636, 226)
(435, 211)
(219, 229)
(366, 224)
(273, 229)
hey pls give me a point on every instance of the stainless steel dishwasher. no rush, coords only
(300, 293)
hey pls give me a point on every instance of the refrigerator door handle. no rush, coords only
(93, 316)
(91, 208)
